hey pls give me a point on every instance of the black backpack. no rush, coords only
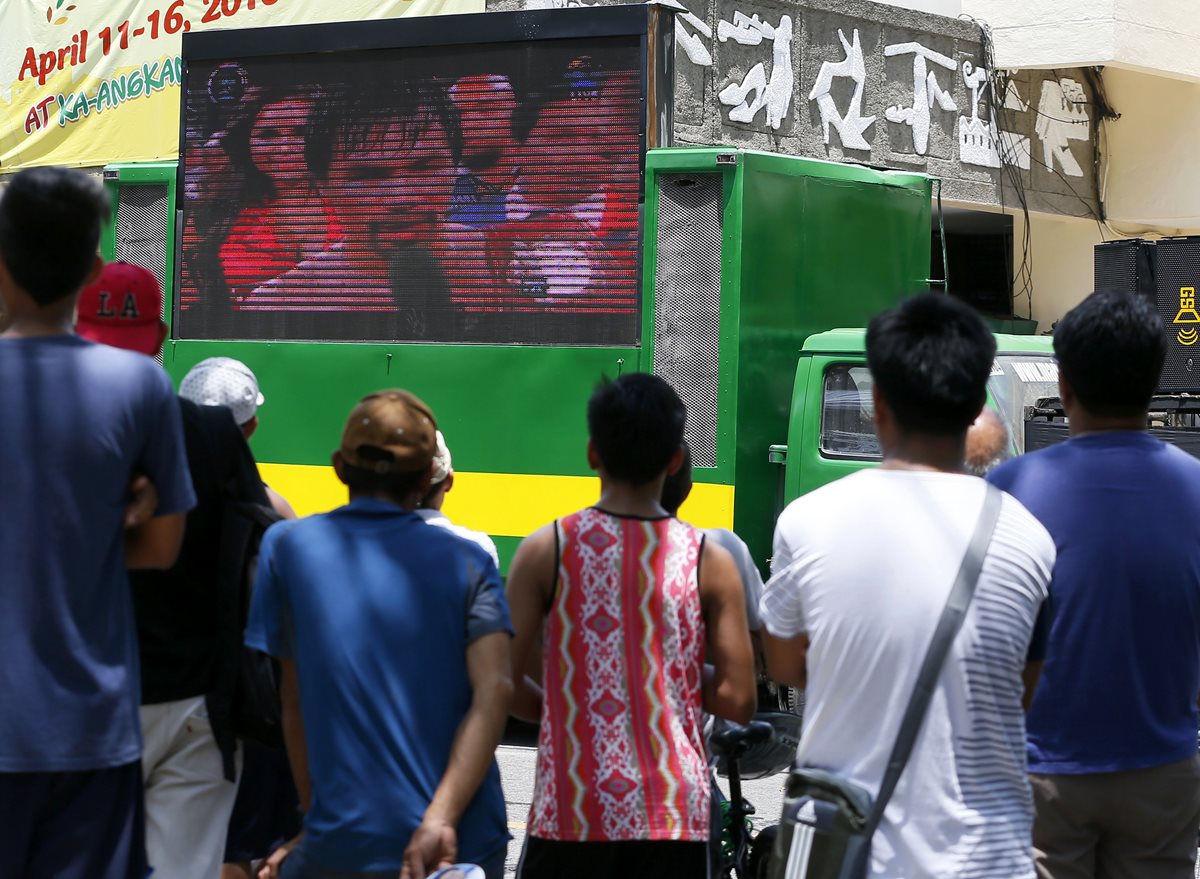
(246, 703)
(256, 715)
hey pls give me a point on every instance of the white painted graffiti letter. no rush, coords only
(691, 44)
(775, 94)
(978, 143)
(925, 92)
(1062, 118)
(854, 124)
(1015, 148)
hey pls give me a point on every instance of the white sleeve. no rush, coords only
(752, 584)
(782, 607)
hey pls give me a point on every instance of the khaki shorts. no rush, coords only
(1138, 824)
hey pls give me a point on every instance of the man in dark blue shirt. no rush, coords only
(80, 420)
(1112, 729)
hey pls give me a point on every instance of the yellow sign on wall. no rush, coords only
(88, 82)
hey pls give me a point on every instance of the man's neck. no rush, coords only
(624, 499)
(1082, 423)
(409, 503)
(52, 320)
(937, 454)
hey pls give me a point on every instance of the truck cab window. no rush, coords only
(1018, 384)
(846, 409)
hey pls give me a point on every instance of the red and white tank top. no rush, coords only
(621, 751)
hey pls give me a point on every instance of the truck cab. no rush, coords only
(830, 433)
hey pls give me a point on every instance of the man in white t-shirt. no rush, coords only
(431, 506)
(861, 572)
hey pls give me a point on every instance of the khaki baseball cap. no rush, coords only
(390, 431)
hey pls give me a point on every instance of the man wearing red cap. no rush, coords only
(81, 420)
(187, 617)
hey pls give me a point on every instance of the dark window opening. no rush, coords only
(979, 255)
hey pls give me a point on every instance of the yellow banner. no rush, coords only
(89, 82)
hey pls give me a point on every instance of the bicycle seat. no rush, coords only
(733, 739)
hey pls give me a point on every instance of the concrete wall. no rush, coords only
(1159, 36)
(1062, 262)
(1151, 153)
(951, 8)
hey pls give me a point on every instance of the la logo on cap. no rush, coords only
(128, 310)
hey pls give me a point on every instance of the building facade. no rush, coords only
(1051, 126)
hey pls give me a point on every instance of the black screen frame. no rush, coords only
(652, 23)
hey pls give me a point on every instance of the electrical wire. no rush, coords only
(998, 83)
(1020, 280)
(942, 238)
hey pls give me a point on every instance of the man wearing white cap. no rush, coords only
(431, 505)
(265, 809)
(223, 381)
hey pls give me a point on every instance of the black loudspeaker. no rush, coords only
(1177, 277)
(1167, 271)
(1126, 265)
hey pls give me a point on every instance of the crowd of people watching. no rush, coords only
(1061, 736)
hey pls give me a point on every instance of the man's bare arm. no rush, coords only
(729, 690)
(155, 543)
(279, 503)
(293, 731)
(787, 659)
(530, 581)
(142, 501)
(434, 842)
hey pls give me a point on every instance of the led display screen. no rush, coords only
(475, 193)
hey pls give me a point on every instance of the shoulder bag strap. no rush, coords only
(943, 636)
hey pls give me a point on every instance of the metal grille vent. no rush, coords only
(687, 292)
(1116, 265)
(142, 228)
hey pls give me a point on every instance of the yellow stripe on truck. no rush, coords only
(502, 504)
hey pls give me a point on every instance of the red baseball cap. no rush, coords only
(123, 308)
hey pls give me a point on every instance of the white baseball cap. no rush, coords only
(442, 466)
(223, 381)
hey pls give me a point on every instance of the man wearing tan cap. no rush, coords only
(393, 637)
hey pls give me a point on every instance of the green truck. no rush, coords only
(723, 270)
(750, 262)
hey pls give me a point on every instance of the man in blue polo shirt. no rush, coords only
(393, 637)
(1112, 729)
(80, 421)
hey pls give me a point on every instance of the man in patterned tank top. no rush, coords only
(628, 602)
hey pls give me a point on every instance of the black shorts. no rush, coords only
(73, 825)
(652, 859)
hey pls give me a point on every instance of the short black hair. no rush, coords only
(636, 425)
(354, 115)
(931, 357)
(1111, 348)
(397, 486)
(50, 224)
(678, 485)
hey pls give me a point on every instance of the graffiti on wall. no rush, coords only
(852, 125)
(774, 94)
(880, 91)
